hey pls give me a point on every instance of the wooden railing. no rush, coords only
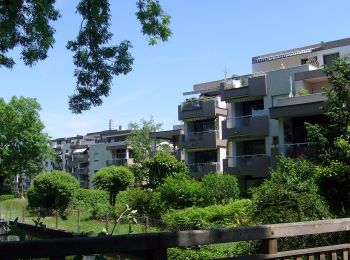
(155, 245)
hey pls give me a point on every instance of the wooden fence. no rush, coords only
(155, 245)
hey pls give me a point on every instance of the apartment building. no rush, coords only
(83, 156)
(239, 125)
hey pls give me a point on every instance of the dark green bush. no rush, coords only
(180, 191)
(220, 189)
(6, 197)
(146, 203)
(99, 211)
(52, 190)
(86, 199)
(235, 213)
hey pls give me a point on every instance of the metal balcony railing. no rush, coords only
(194, 104)
(295, 150)
(201, 134)
(240, 121)
(243, 160)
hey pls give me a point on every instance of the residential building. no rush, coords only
(241, 124)
(83, 156)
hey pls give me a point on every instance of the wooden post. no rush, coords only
(56, 219)
(107, 223)
(23, 214)
(270, 246)
(146, 224)
(10, 218)
(78, 221)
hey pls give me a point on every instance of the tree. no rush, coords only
(23, 145)
(27, 24)
(113, 179)
(52, 190)
(220, 189)
(332, 140)
(140, 140)
(160, 166)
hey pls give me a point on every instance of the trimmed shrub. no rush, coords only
(52, 190)
(235, 213)
(113, 179)
(220, 189)
(6, 197)
(146, 203)
(87, 198)
(180, 191)
(160, 166)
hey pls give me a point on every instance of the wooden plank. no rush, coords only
(345, 254)
(334, 255)
(311, 257)
(270, 246)
(322, 256)
(293, 253)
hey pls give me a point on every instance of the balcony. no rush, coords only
(82, 171)
(296, 150)
(200, 108)
(298, 106)
(199, 170)
(81, 158)
(207, 139)
(116, 145)
(246, 126)
(256, 87)
(256, 165)
(84, 184)
(119, 162)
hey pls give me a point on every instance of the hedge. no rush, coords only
(6, 197)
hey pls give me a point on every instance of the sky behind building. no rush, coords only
(208, 36)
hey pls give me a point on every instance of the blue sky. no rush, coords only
(207, 37)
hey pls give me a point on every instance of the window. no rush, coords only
(304, 61)
(330, 58)
(206, 157)
(204, 126)
(96, 157)
(254, 147)
(253, 108)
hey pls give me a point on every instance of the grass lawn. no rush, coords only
(15, 207)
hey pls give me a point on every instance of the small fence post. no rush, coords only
(107, 223)
(23, 214)
(78, 221)
(56, 219)
(146, 224)
(270, 246)
(10, 212)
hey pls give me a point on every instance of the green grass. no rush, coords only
(14, 208)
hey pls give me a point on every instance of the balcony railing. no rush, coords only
(82, 171)
(299, 100)
(193, 104)
(243, 160)
(296, 150)
(117, 161)
(241, 121)
(198, 170)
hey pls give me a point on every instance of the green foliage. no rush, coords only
(146, 203)
(113, 179)
(287, 195)
(26, 24)
(213, 251)
(23, 145)
(52, 190)
(162, 165)
(303, 92)
(86, 199)
(180, 191)
(6, 197)
(334, 183)
(235, 213)
(99, 211)
(220, 189)
(337, 110)
(140, 140)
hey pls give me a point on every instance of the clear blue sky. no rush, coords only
(207, 37)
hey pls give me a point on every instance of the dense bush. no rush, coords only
(113, 179)
(291, 195)
(220, 189)
(235, 213)
(6, 197)
(180, 191)
(160, 166)
(99, 211)
(146, 203)
(334, 183)
(86, 199)
(52, 190)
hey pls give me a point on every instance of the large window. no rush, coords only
(203, 126)
(206, 157)
(254, 147)
(253, 108)
(330, 58)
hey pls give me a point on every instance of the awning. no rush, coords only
(79, 150)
